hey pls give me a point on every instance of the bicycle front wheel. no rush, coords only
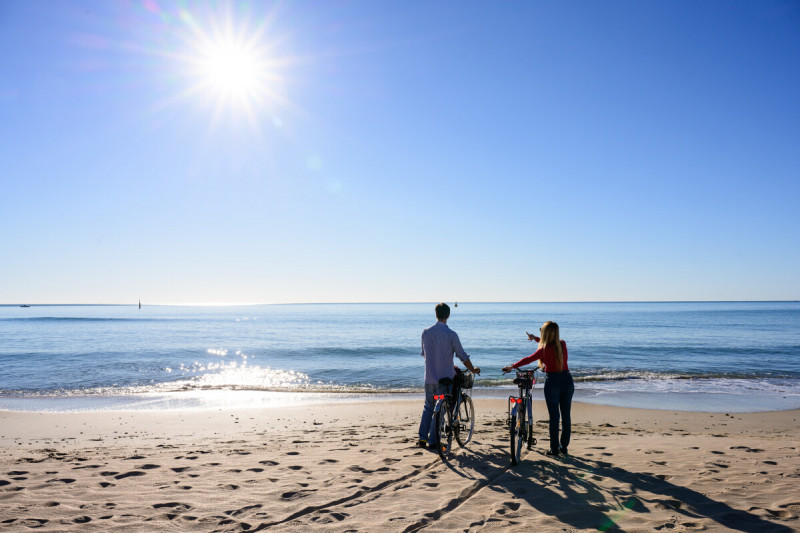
(465, 421)
(517, 434)
(444, 431)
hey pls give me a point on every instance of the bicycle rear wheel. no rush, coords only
(444, 431)
(465, 421)
(517, 434)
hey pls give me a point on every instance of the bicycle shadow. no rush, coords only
(568, 490)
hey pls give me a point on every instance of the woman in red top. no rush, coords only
(559, 387)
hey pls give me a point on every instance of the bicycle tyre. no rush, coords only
(530, 439)
(516, 431)
(444, 431)
(465, 421)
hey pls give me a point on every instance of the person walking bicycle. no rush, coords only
(439, 345)
(559, 387)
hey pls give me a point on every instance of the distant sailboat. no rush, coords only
(456, 304)
(24, 305)
(140, 304)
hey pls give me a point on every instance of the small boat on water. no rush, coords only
(24, 305)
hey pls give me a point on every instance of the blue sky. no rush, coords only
(399, 151)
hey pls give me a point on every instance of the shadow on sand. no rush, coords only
(568, 490)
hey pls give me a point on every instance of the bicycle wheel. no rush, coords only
(531, 440)
(444, 431)
(517, 434)
(465, 421)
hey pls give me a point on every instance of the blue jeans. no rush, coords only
(558, 391)
(426, 424)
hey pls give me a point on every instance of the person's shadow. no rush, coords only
(568, 489)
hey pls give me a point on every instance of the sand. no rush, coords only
(353, 467)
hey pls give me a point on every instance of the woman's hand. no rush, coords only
(532, 337)
(507, 369)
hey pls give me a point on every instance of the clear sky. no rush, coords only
(390, 151)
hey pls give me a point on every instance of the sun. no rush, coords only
(231, 70)
(230, 65)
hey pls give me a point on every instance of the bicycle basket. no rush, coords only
(525, 383)
(465, 379)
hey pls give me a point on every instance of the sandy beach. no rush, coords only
(353, 467)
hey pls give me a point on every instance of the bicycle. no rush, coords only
(454, 413)
(520, 414)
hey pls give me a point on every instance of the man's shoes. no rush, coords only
(551, 453)
(564, 451)
(422, 443)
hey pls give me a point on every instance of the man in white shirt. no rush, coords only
(439, 344)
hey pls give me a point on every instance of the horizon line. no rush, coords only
(243, 304)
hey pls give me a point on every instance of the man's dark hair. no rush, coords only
(442, 311)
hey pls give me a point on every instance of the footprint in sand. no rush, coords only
(135, 457)
(33, 522)
(109, 473)
(52, 504)
(390, 461)
(268, 463)
(295, 467)
(510, 506)
(82, 519)
(106, 484)
(229, 487)
(782, 513)
(64, 480)
(329, 517)
(292, 453)
(178, 507)
(133, 473)
(294, 495)
(770, 463)
(180, 469)
(3, 483)
(715, 452)
(329, 461)
(255, 470)
(237, 512)
(148, 467)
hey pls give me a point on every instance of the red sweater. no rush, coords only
(548, 355)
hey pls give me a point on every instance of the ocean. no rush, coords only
(693, 356)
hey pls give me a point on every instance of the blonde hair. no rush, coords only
(549, 336)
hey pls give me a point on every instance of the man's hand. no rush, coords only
(476, 370)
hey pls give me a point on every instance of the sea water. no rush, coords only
(697, 356)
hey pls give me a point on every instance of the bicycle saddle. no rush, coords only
(446, 381)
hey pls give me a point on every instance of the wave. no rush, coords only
(272, 380)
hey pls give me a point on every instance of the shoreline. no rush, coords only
(354, 467)
(708, 402)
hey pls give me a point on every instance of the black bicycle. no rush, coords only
(520, 414)
(454, 414)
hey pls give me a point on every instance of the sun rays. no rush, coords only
(229, 63)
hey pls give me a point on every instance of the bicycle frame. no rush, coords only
(450, 420)
(520, 414)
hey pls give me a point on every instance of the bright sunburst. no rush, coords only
(231, 65)
(231, 70)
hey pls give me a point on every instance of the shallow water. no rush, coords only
(741, 356)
